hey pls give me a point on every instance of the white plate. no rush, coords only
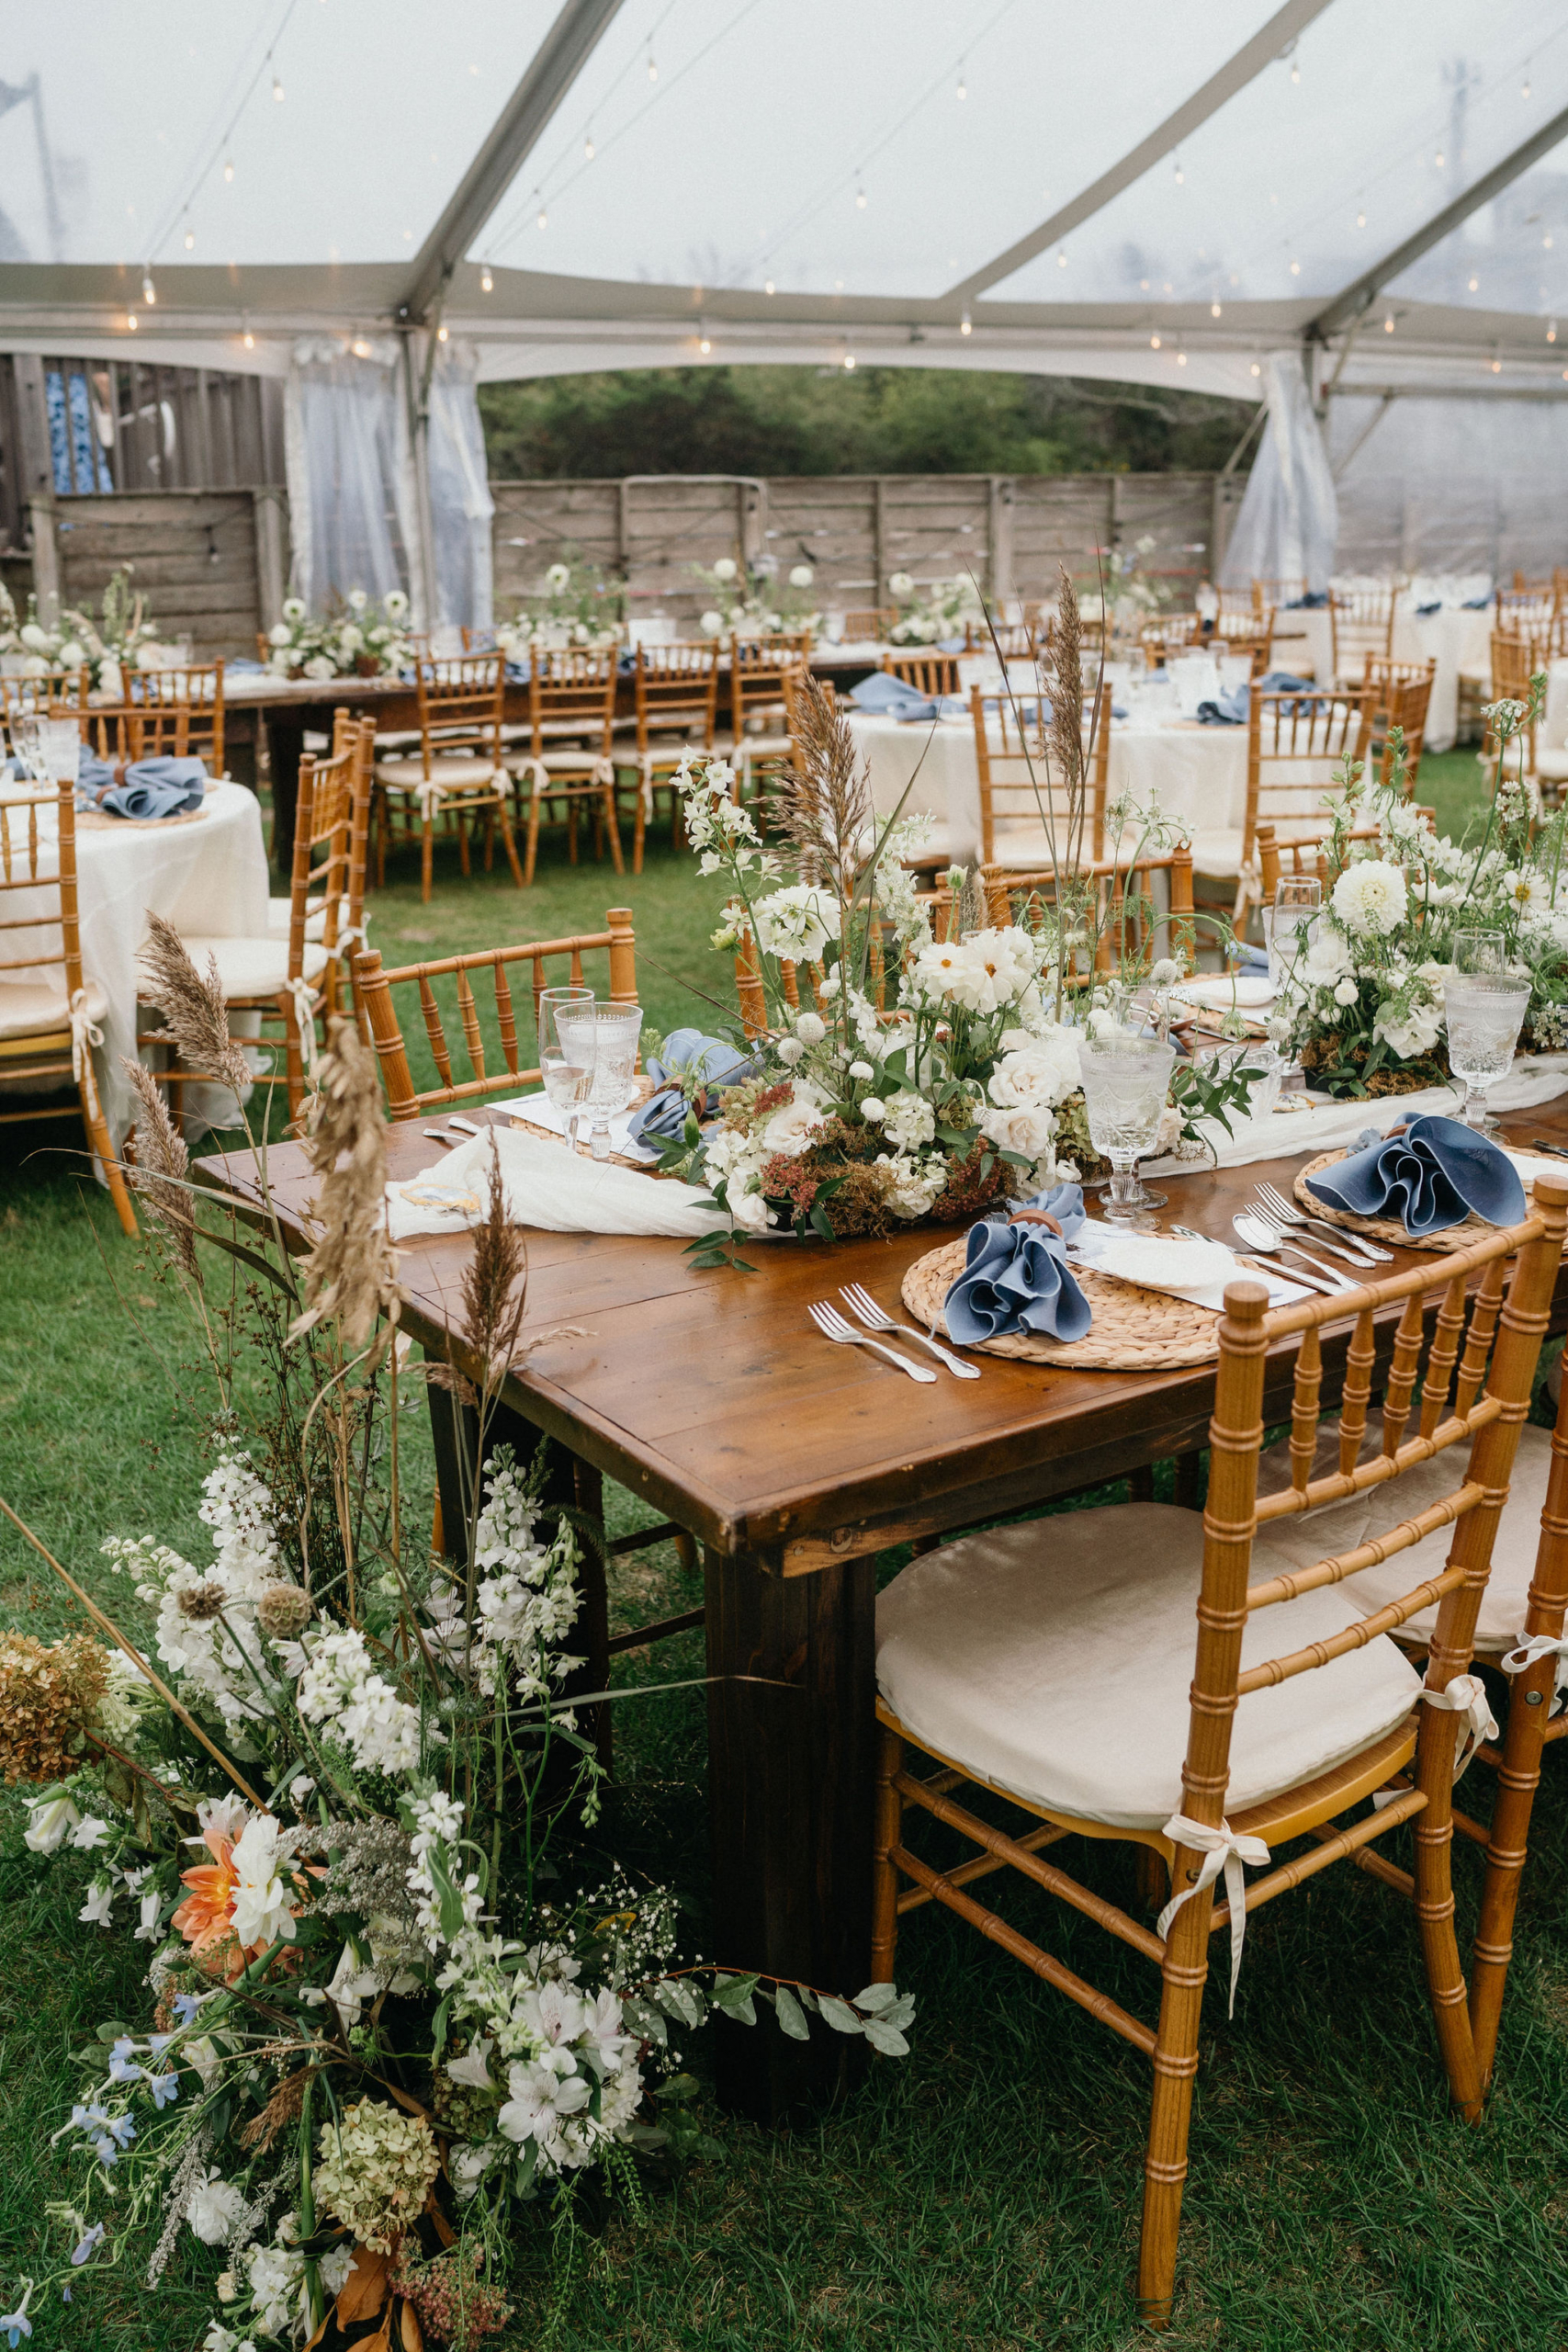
(1219, 994)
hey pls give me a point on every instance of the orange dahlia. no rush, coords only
(205, 1916)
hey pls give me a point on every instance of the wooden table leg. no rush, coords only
(568, 1481)
(791, 1755)
(285, 745)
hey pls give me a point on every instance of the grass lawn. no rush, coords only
(981, 2194)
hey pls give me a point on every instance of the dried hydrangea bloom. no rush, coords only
(375, 2172)
(48, 1697)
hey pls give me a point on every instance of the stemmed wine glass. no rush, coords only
(567, 1063)
(1297, 898)
(1125, 1081)
(1485, 1011)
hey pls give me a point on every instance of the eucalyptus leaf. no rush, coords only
(885, 2037)
(839, 2014)
(792, 2016)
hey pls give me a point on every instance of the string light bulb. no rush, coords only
(652, 68)
(963, 91)
(1496, 366)
(229, 168)
(1295, 71)
(1182, 359)
(1551, 331)
(1256, 368)
(850, 363)
(440, 334)
(1388, 323)
(1154, 343)
(1437, 159)
(487, 283)
(277, 91)
(190, 241)
(1181, 175)
(1295, 269)
(767, 284)
(704, 345)
(1060, 261)
(248, 339)
(149, 291)
(1360, 220)
(860, 199)
(1213, 309)
(131, 321)
(587, 147)
(544, 220)
(966, 324)
(1475, 285)
(1525, 87)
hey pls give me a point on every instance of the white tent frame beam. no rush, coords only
(1261, 50)
(1363, 292)
(552, 70)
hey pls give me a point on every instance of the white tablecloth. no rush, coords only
(211, 877)
(1456, 639)
(1196, 774)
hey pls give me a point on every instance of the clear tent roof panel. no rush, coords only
(135, 118)
(770, 121)
(1325, 161)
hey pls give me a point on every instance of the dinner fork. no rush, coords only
(860, 1302)
(1279, 1211)
(1259, 1234)
(832, 1326)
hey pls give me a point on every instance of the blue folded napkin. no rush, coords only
(1016, 1277)
(1229, 709)
(147, 790)
(1432, 1176)
(883, 696)
(1424, 612)
(1477, 605)
(1313, 602)
(662, 1118)
(1282, 681)
(240, 665)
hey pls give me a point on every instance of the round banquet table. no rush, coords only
(208, 876)
(1197, 774)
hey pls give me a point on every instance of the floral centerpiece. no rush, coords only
(761, 599)
(120, 637)
(936, 611)
(396, 2000)
(906, 1068)
(574, 603)
(1362, 1000)
(362, 637)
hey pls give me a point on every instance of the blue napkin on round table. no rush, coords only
(1228, 709)
(662, 1118)
(163, 787)
(1431, 1177)
(1017, 1278)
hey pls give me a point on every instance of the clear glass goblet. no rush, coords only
(614, 1030)
(1298, 898)
(1126, 1082)
(1485, 1013)
(567, 1065)
(1480, 951)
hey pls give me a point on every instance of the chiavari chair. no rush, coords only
(1237, 605)
(55, 693)
(1526, 612)
(1397, 694)
(357, 738)
(1011, 641)
(485, 1039)
(288, 978)
(1295, 740)
(1169, 634)
(568, 761)
(459, 771)
(1050, 1665)
(165, 714)
(1515, 661)
(49, 1009)
(870, 625)
(1123, 892)
(1360, 621)
(1276, 594)
(677, 711)
(1026, 820)
(759, 716)
(928, 674)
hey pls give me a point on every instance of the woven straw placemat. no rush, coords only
(1384, 1228)
(1135, 1329)
(100, 820)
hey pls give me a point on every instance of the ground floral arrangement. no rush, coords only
(1363, 1003)
(362, 637)
(120, 637)
(936, 612)
(761, 598)
(399, 2006)
(575, 602)
(902, 1069)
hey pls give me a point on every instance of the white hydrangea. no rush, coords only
(1413, 1032)
(798, 923)
(1370, 897)
(340, 1686)
(528, 1597)
(907, 1121)
(915, 1183)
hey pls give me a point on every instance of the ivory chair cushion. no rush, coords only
(455, 770)
(1054, 1659)
(1552, 765)
(1217, 850)
(31, 1010)
(250, 967)
(280, 918)
(577, 762)
(1339, 1527)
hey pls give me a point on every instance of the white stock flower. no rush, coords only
(1370, 897)
(338, 1686)
(796, 923)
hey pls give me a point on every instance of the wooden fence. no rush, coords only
(1011, 531)
(211, 563)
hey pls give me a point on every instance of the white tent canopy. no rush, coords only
(1136, 191)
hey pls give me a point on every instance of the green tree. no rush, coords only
(773, 421)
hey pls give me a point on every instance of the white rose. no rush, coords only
(1328, 958)
(724, 568)
(801, 576)
(1039, 1076)
(794, 1127)
(751, 1212)
(1026, 1131)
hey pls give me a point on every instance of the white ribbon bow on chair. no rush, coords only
(305, 1022)
(85, 1035)
(428, 795)
(1466, 1695)
(1222, 1850)
(1535, 1645)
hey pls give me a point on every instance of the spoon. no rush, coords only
(1261, 1239)
(1308, 1282)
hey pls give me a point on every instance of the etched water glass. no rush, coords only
(1485, 1011)
(1287, 924)
(60, 749)
(1480, 951)
(1126, 1082)
(613, 1031)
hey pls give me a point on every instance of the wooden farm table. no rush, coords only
(286, 708)
(712, 1397)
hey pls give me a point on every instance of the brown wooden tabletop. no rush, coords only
(712, 1397)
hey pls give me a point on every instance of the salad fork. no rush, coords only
(861, 1303)
(1279, 1211)
(832, 1326)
